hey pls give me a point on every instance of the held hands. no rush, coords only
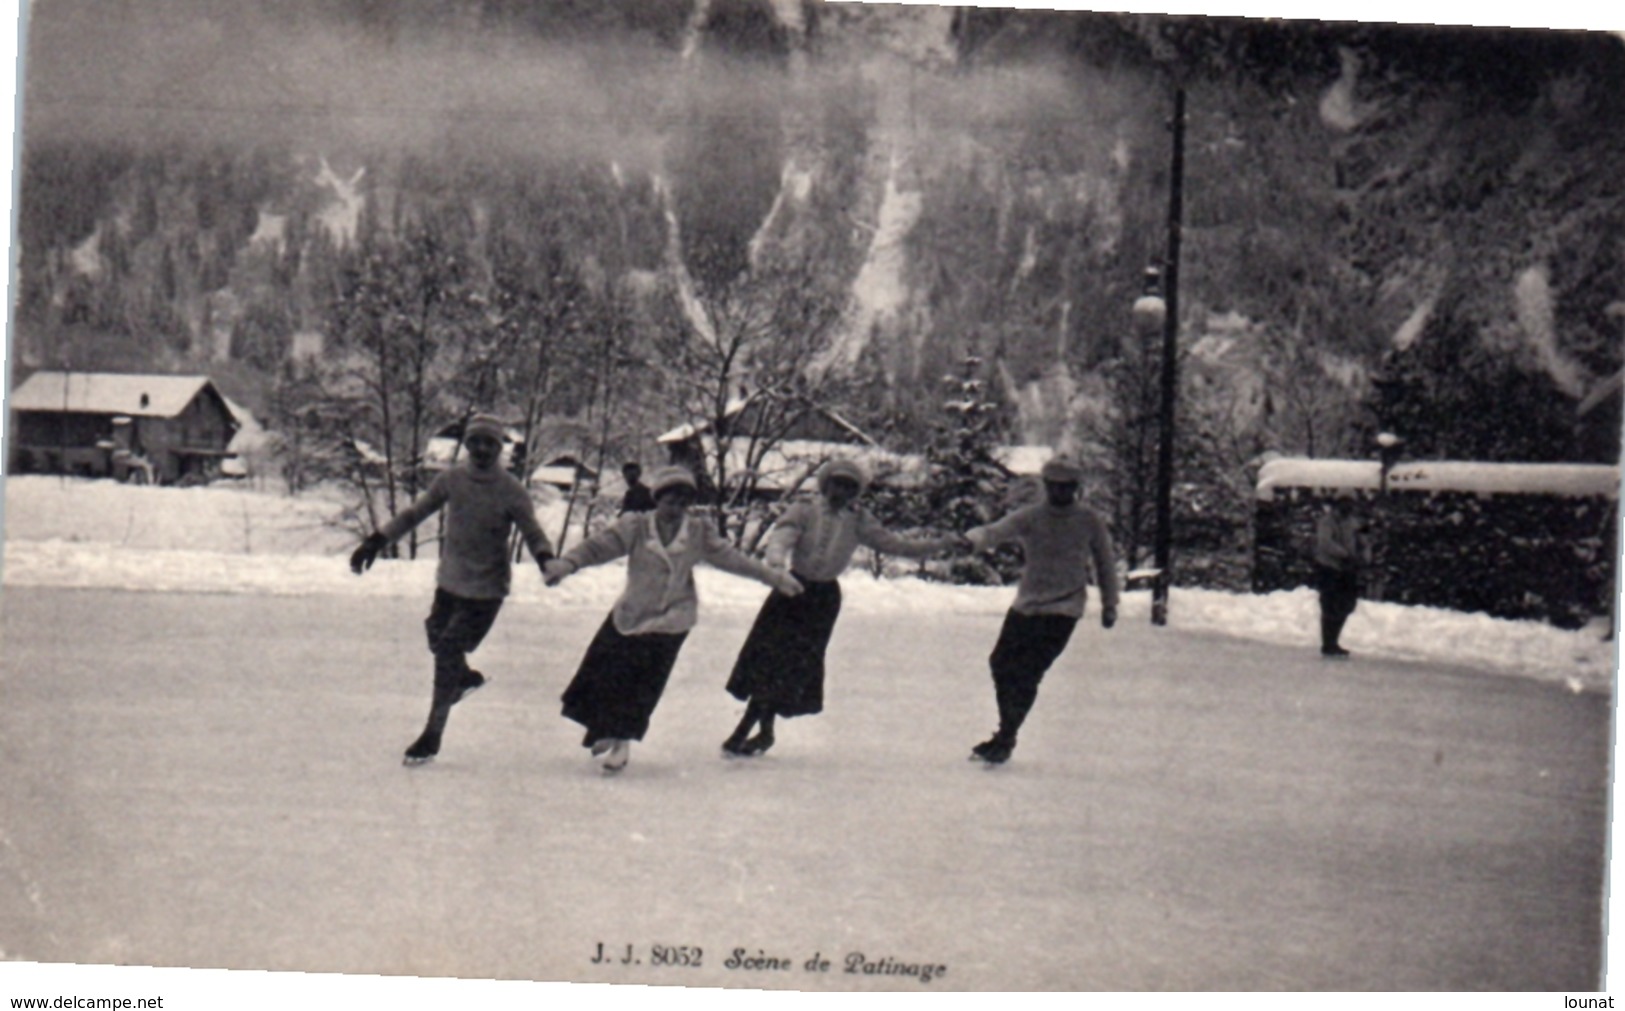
(362, 558)
(554, 570)
(1108, 616)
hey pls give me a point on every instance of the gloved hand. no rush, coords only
(363, 557)
(1108, 617)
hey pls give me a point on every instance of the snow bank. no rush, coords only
(98, 534)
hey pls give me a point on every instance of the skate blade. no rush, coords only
(411, 762)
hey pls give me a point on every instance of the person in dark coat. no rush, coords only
(780, 669)
(1061, 541)
(483, 503)
(638, 498)
(624, 672)
(1339, 555)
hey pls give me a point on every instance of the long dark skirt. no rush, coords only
(781, 666)
(620, 682)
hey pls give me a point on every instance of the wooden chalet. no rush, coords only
(161, 429)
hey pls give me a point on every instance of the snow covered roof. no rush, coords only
(140, 396)
(794, 460)
(564, 477)
(682, 433)
(1023, 460)
(1567, 479)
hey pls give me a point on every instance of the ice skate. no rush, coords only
(473, 683)
(620, 752)
(757, 745)
(734, 747)
(421, 752)
(994, 751)
(1335, 653)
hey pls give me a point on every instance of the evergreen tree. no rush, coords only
(967, 487)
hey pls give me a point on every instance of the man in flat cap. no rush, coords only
(1062, 542)
(483, 503)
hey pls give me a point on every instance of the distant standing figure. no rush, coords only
(625, 669)
(483, 503)
(638, 498)
(1061, 541)
(1339, 555)
(780, 670)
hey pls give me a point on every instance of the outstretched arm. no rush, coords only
(718, 552)
(612, 542)
(523, 514)
(986, 538)
(407, 519)
(785, 535)
(872, 535)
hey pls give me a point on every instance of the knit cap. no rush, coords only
(671, 477)
(1061, 470)
(840, 467)
(483, 424)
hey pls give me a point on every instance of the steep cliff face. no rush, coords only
(968, 181)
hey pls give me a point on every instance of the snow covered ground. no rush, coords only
(98, 534)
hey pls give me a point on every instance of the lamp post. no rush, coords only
(1170, 367)
(1150, 315)
(1389, 447)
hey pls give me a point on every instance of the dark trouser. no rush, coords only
(1028, 644)
(1339, 593)
(456, 626)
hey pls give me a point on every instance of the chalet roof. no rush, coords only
(141, 396)
(736, 406)
(1564, 479)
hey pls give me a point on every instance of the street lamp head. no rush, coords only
(1388, 440)
(1150, 311)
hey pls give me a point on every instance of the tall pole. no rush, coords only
(1170, 370)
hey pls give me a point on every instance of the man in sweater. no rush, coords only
(1061, 541)
(483, 503)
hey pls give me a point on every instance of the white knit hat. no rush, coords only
(842, 467)
(671, 477)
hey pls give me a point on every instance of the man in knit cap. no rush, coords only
(483, 504)
(1062, 541)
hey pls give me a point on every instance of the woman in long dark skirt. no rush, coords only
(780, 669)
(624, 672)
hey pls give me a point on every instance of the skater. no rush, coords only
(780, 670)
(483, 503)
(626, 666)
(1339, 555)
(637, 498)
(1060, 540)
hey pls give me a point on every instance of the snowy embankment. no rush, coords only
(96, 534)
